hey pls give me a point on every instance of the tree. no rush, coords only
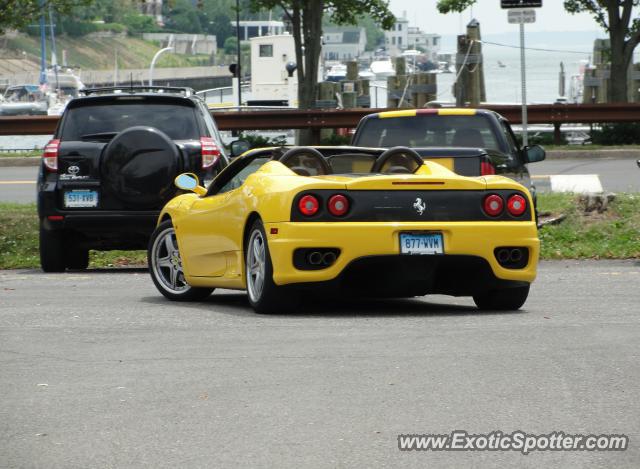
(19, 13)
(615, 16)
(305, 17)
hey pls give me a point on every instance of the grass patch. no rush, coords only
(19, 242)
(614, 234)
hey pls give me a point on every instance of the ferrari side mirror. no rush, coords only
(189, 182)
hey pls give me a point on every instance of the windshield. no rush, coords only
(429, 130)
(24, 94)
(177, 121)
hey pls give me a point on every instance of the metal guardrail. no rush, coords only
(316, 119)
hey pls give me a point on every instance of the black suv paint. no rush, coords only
(110, 168)
(479, 141)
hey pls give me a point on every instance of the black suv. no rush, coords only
(110, 168)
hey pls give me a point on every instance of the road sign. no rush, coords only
(521, 3)
(522, 16)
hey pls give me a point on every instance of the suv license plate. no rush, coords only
(421, 243)
(80, 198)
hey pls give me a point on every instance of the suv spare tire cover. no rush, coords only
(138, 167)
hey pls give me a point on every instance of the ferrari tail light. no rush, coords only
(210, 152)
(338, 205)
(50, 155)
(516, 205)
(309, 205)
(493, 205)
(487, 168)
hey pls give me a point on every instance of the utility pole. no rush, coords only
(521, 12)
(43, 46)
(238, 51)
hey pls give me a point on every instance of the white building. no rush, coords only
(397, 39)
(250, 29)
(429, 43)
(343, 43)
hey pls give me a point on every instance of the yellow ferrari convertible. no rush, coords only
(283, 222)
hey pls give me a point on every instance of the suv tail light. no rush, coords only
(516, 205)
(210, 152)
(493, 205)
(50, 155)
(486, 168)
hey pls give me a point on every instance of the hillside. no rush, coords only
(91, 53)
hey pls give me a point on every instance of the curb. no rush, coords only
(619, 153)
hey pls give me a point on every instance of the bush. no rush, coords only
(136, 23)
(625, 133)
(230, 45)
(113, 27)
(75, 28)
(259, 141)
(336, 140)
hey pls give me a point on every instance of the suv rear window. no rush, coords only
(83, 122)
(428, 131)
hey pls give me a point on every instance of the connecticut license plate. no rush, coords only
(80, 198)
(421, 243)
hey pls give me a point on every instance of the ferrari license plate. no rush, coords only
(421, 243)
(80, 198)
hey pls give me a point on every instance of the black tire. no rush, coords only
(165, 267)
(52, 258)
(78, 259)
(270, 298)
(507, 299)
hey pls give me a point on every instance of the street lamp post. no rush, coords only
(153, 62)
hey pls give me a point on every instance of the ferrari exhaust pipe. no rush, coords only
(328, 258)
(314, 258)
(503, 256)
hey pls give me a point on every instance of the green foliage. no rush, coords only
(454, 6)
(624, 133)
(221, 27)
(182, 17)
(20, 13)
(335, 139)
(260, 141)
(74, 28)
(230, 45)
(137, 23)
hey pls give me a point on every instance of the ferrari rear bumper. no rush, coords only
(371, 251)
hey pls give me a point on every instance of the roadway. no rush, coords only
(98, 370)
(616, 175)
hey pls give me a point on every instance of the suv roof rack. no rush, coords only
(186, 91)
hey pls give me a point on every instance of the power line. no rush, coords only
(536, 48)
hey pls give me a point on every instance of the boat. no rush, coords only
(337, 73)
(366, 75)
(382, 68)
(64, 86)
(501, 65)
(21, 100)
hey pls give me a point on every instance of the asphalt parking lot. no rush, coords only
(98, 370)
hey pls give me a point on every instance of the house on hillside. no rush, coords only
(343, 43)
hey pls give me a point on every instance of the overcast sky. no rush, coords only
(551, 17)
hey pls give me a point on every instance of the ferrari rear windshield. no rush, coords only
(91, 121)
(429, 130)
